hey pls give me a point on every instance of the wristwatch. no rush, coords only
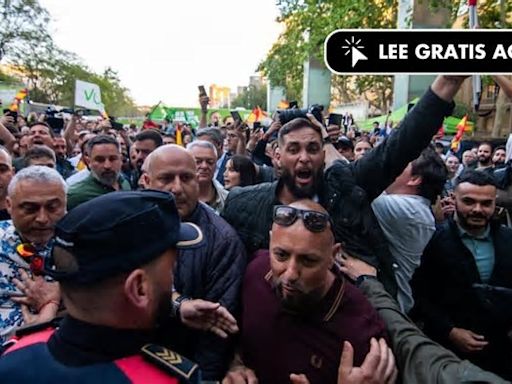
(362, 278)
(176, 305)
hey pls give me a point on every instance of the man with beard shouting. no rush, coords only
(467, 250)
(344, 190)
(298, 310)
(105, 163)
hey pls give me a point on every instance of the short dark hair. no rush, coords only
(38, 152)
(473, 176)
(294, 125)
(439, 145)
(213, 134)
(101, 139)
(150, 134)
(485, 143)
(502, 147)
(52, 134)
(246, 168)
(433, 172)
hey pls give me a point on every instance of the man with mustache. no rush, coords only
(211, 192)
(105, 163)
(344, 190)
(298, 310)
(485, 156)
(469, 249)
(145, 143)
(36, 200)
(212, 272)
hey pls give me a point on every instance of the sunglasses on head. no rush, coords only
(314, 221)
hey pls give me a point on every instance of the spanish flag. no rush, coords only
(461, 127)
(103, 112)
(256, 115)
(20, 96)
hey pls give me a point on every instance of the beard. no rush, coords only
(300, 304)
(106, 178)
(306, 192)
(464, 220)
(484, 159)
(163, 311)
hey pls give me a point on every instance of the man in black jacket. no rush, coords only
(463, 252)
(212, 272)
(345, 190)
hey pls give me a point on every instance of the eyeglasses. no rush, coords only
(314, 221)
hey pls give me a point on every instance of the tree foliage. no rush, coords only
(252, 96)
(308, 22)
(21, 21)
(49, 71)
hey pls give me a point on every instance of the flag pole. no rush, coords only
(476, 79)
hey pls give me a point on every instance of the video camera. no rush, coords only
(286, 115)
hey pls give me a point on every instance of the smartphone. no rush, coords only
(13, 114)
(202, 91)
(293, 104)
(256, 126)
(236, 116)
(335, 119)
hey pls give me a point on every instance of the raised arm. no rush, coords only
(379, 168)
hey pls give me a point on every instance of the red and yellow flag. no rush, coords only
(21, 95)
(461, 127)
(256, 115)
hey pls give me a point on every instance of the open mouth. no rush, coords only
(304, 176)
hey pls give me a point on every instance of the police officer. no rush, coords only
(114, 258)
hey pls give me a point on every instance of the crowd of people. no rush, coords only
(293, 253)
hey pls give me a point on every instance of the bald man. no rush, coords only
(214, 272)
(298, 310)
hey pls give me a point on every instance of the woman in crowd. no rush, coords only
(240, 172)
(361, 148)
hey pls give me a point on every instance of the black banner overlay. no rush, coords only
(421, 51)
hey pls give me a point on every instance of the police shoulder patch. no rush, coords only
(184, 369)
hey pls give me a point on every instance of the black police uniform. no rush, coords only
(99, 234)
(78, 352)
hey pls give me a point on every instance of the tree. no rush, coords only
(307, 24)
(251, 97)
(50, 75)
(21, 22)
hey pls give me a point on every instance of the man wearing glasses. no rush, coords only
(299, 313)
(344, 190)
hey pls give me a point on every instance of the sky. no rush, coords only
(164, 49)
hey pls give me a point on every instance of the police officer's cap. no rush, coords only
(119, 232)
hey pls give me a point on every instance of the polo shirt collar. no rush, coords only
(486, 235)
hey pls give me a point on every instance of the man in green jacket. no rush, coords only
(419, 359)
(105, 163)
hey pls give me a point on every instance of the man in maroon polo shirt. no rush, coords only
(298, 309)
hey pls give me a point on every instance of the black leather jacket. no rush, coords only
(348, 190)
